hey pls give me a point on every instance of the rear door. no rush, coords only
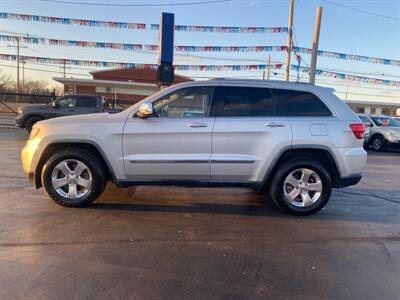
(247, 135)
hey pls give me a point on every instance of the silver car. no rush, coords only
(296, 141)
(384, 131)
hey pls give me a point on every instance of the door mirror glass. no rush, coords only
(145, 110)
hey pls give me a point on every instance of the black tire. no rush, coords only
(277, 186)
(95, 166)
(378, 143)
(30, 122)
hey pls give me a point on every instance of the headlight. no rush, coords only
(34, 132)
(19, 111)
(394, 134)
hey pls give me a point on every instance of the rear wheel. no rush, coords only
(301, 187)
(378, 143)
(30, 122)
(73, 177)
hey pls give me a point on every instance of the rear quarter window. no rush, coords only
(294, 103)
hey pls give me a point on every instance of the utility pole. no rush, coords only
(289, 40)
(17, 39)
(268, 67)
(314, 51)
(64, 69)
(23, 75)
(17, 69)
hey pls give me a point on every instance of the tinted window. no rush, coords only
(244, 102)
(86, 101)
(184, 103)
(66, 102)
(298, 103)
(365, 119)
(385, 122)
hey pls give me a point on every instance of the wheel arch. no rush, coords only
(319, 154)
(34, 115)
(85, 144)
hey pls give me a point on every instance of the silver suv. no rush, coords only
(297, 141)
(384, 131)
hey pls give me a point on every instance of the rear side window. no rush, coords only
(86, 101)
(299, 104)
(244, 102)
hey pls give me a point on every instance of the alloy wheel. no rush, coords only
(71, 179)
(302, 187)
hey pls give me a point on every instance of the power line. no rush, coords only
(362, 11)
(136, 5)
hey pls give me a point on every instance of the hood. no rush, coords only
(33, 107)
(89, 118)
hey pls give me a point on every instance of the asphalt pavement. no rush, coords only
(203, 243)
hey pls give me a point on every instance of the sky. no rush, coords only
(343, 30)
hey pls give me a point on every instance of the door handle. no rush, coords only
(274, 125)
(197, 125)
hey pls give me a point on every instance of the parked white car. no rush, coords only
(297, 140)
(384, 131)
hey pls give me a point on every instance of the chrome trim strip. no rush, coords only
(188, 161)
(170, 161)
(233, 161)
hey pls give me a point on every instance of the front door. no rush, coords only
(175, 142)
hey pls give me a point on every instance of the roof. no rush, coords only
(261, 82)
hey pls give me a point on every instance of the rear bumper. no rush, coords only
(349, 181)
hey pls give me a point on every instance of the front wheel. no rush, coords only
(378, 143)
(73, 177)
(301, 187)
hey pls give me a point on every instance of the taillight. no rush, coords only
(358, 130)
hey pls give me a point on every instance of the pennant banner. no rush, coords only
(348, 77)
(106, 64)
(185, 48)
(258, 67)
(130, 25)
(362, 58)
(23, 39)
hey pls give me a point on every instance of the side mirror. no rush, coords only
(145, 110)
(369, 124)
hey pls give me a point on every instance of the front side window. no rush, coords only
(244, 102)
(293, 103)
(191, 102)
(86, 101)
(385, 122)
(68, 102)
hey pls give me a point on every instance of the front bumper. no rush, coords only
(19, 121)
(349, 181)
(394, 144)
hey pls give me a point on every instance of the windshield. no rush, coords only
(385, 122)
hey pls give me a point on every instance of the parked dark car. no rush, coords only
(65, 106)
